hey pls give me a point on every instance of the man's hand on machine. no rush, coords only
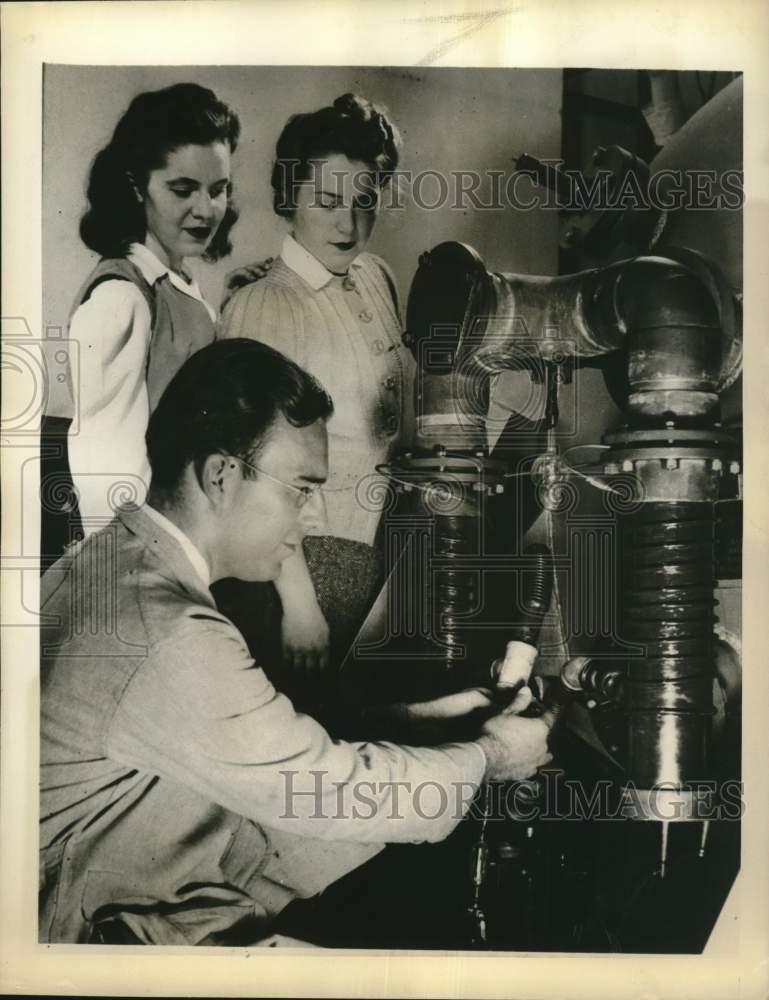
(462, 704)
(432, 721)
(500, 693)
(511, 673)
(515, 747)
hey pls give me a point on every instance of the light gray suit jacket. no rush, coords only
(179, 790)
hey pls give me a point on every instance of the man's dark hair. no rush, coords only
(224, 400)
(156, 123)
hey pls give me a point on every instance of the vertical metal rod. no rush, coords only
(479, 865)
(705, 828)
(664, 851)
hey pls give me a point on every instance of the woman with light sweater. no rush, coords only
(333, 309)
(159, 193)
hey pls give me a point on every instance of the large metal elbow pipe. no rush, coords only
(674, 317)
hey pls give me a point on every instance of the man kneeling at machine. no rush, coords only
(183, 800)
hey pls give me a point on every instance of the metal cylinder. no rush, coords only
(455, 589)
(535, 595)
(676, 319)
(667, 581)
(673, 346)
(448, 490)
(666, 608)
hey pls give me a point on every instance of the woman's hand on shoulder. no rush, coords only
(243, 276)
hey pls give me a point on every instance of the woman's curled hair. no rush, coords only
(156, 123)
(351, 126)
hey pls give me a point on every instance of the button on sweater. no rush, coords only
(347, 333)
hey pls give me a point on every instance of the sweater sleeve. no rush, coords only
(271, 314)
(201, 712)
(107, 454)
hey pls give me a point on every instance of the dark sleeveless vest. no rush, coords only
(180, 326)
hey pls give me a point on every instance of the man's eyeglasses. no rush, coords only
(303, 494)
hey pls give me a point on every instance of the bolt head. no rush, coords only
(717, 465)
(627, 465)
(734, 468)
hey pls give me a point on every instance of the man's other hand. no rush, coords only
(515, 747)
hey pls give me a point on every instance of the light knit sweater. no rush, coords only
(347, 333)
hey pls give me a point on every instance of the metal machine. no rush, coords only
(492, 548)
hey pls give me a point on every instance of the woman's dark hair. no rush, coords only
(352, 126)
(224, 400)
(156, 123)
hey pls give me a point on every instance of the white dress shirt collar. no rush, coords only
(153, 269)
(305, 265)
(189, 548)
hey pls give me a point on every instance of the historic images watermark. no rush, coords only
(551, 796)
(522, 189)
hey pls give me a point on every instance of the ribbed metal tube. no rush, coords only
(667, 581)
(455, 587)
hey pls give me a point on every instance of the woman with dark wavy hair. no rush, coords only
(333, 309)
(159, 193)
